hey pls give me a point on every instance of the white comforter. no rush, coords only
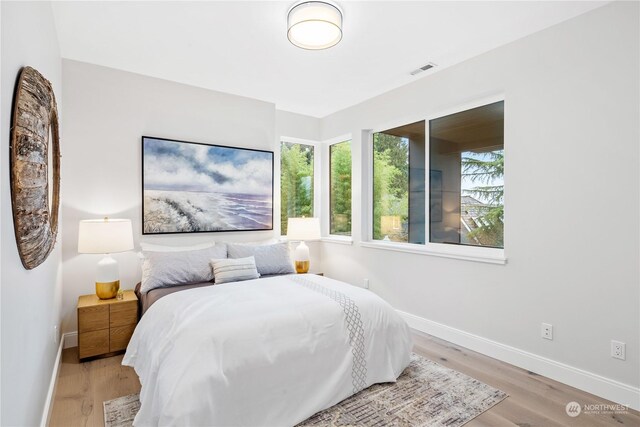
(265, 352)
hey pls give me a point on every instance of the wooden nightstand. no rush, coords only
(105, 326)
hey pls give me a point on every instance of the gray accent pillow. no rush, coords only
(270, 259)
(234, 270)
(164, 269)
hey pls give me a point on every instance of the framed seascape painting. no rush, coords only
(189, 187)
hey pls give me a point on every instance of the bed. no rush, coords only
(146, 299)
(264, 352)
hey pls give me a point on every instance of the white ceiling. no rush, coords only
(241, 47)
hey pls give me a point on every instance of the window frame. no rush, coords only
(464, 252)
(317, 174)
(331, 143)
(325, 218)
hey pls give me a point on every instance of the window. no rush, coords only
(466, 163)
(296, 182)
(399, 184)
(340, 188)
(461, 200)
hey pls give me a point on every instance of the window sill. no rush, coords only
(341, 240)
(466, 253)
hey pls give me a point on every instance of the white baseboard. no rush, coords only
(70, 339)
(598, 385)
(48, 403)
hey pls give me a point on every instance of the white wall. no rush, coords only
(106, 113)
(297, 126)
(571, 149)
(30, 299)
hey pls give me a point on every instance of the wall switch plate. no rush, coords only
(547, 331)
(618, 350)
(366, 283)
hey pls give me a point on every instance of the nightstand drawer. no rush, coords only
(93, 318)
(119, 337)
(93, 343)
(123, 313)
(105, 326)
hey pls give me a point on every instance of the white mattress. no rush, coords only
(266, 352)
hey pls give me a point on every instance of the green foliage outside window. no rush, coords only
(390, 187)
(296, 182)
(340, 192)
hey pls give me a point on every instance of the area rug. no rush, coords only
(426, 395)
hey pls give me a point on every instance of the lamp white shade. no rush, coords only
(303, 229)
(314, 25)
(105, 236)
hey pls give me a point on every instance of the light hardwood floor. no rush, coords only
(533, 400)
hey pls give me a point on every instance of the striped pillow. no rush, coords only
(234, 270)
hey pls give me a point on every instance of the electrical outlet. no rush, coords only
(56, 336)
(547, 331)
(366, 283)
(618, 350)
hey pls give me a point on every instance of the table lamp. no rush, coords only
(301, 229)
(105, 236)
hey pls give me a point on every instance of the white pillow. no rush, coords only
(151, 247)
(165, 269)
(270, 259)
(234, 270)
(270, 241)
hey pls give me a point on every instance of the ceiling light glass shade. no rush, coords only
(314, 25)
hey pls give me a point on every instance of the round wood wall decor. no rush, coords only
(35, 160)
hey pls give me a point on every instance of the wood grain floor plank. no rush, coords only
(534, 401)
(528, 391)
(490, 419)
(83, 387)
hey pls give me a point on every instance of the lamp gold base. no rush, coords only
(302, 267)
(107, 290)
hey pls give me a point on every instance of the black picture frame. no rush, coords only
(153, 218)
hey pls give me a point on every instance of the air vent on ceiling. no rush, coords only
(423, 68)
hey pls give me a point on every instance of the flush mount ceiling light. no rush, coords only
(314, 25)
